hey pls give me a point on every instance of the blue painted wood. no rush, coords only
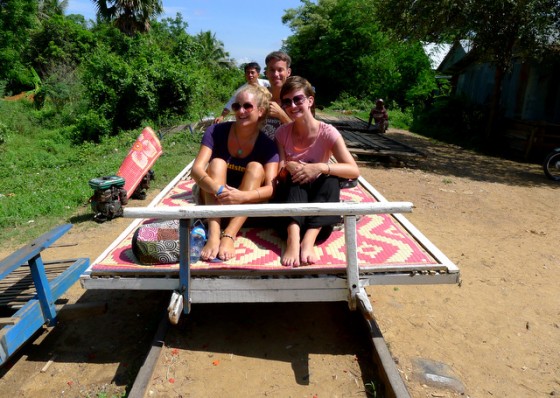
(29, 318)
(40, 309)
(41, 282)
(26, 253)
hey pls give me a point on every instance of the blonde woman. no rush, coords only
(236, 164)
(305, 146)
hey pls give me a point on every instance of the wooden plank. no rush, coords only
(268, 210)
(353, 138)
(26, 253)
(373, 152)
(8, 321)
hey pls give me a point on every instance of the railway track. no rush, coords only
(388, 380)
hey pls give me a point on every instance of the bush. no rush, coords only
(400, 119)
(91, 127)
(3, 133)
(151, 79)
(347, 102)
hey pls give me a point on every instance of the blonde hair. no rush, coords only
(262, 98)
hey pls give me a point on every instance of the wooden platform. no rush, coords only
(363, 142)
(29, 289)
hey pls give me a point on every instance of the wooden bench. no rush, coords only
(27, 295)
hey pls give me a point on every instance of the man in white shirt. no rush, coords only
(252, 71)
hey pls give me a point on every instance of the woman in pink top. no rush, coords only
(306, 146)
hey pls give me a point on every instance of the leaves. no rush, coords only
(342, 47)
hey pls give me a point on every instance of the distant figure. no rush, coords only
(252, 71)
(380, 116)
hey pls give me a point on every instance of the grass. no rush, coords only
(397, 119)
(45, 177)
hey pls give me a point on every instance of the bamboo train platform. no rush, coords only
(376, 246)
(364, 142)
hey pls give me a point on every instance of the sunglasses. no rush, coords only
(297, 100)
(236, 106)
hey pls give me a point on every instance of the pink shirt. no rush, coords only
(318, 152)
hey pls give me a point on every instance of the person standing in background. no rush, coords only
(252, 73)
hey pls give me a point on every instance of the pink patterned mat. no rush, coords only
(141, 157)
(382, 243)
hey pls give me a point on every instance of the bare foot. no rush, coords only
(308, 255)
(227, 249)
(210, 249)
(291, 255)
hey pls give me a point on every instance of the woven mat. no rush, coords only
(381, 240)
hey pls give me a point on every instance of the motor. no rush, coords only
(551, 165)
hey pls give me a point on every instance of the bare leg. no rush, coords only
(291, 255)
(252, 179)
(308, 255)
(217, 169)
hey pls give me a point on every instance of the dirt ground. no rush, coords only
(498, 332)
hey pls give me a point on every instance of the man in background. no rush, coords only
(277, 71)
(252, 72)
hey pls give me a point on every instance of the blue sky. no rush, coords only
(249, 29)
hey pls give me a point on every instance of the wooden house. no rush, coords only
(529, 103)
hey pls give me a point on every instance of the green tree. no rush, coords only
(499, 30)
(17, 19)
(157, 78)
(340, 47)
(129, 16)
(59, 40)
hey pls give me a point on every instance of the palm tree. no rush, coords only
(129, 16)
(48, 8)
(213, 50)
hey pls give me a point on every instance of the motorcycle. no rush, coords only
(551, 165)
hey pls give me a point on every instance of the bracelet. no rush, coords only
(258, 193)
(224, 235)
(199, 181)
(329, 171)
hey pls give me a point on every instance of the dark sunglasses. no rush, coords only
(297, 100)
(236, 106)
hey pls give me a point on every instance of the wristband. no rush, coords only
(220, 190)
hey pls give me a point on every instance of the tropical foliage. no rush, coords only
(17, 19)
(129, 16)
(340, 45)
(97, 80)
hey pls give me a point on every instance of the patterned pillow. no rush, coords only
(157, 243)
